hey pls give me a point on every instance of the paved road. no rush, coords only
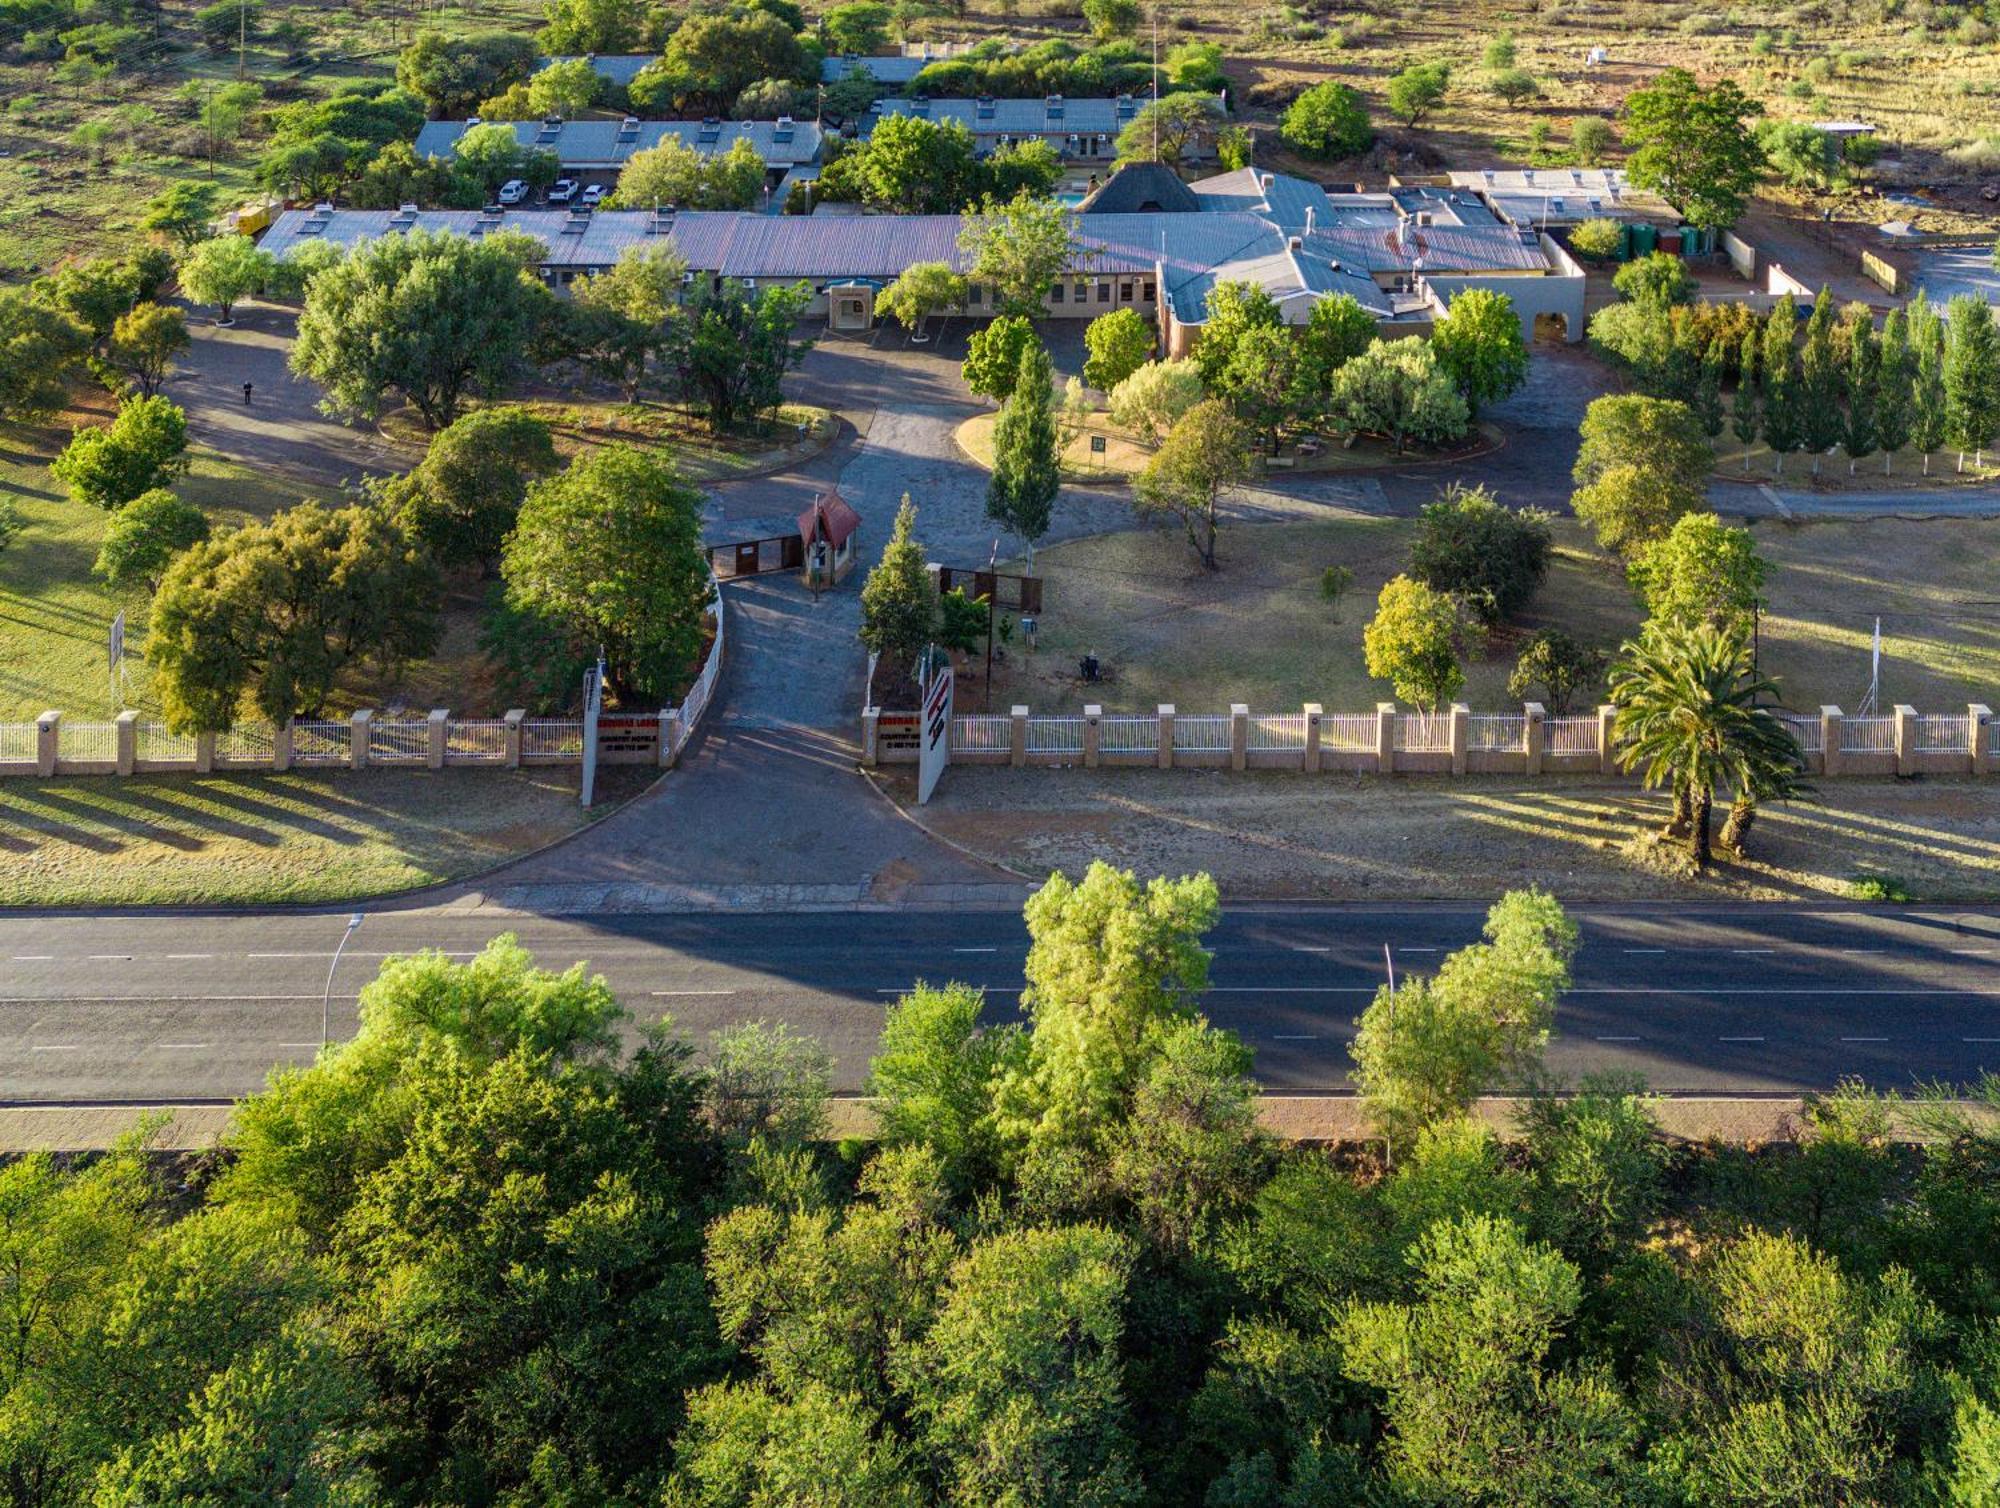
(1751, 999)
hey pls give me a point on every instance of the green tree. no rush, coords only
(1745, 421)
(1027, 472)
(462, 500)
(899, 606)
(39, 347)
(1234, 309)
(276, 610)
(1642, 464)
(1153, 399)
(564, 87)
(680, 176)
(1894, 373)
(1781, 392)
(223, 270)
(1477, 1410)
(766, 1085)
(182, 212)
(1418, 90)
(452, 74)
(1971, 372)
(1204, 456)
(432, 318)
(1327, 123)
(591, 26)
(1928, 412)
(1689, 720)
(1112, 18)
(1479, 346)
(729, 349)
(993, 356)
(1118, 343)
(1564, 670)
(1702, 571)
(143, 537)
(621, 320)
(1800, 154)
(933, 1079)
(914, 166)
(1514, 86)
(1172, 129)
(857, 28)
(144, 447)
(745, 1443)
(1658, 278)
(1597, 240)
(1260, 381)
(1491, 558)
(1592, 138)
(610, 549)
(1397, 389)
(1416, 642)
(1689, 145)
(1337, 331)
(1708, 389)
(1820, 384)
(1018, 249)
(1864, 380)
(921, 290)
(145, 342)
(1426, 1049)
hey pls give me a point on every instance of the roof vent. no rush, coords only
(1424, 217)
(1309, 219)
(1055, 106)
(1295, 243)
(471, 121)
(921, 105)
(661, 221)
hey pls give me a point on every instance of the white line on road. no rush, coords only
(975, 950)
(1979, 1039)
(1861, 950)
(1294, 1037)
(34, 958)
(1416, 950)
(151, 999)
(668, 994)
(183, 1046)
(1864, 1039)
(1739, 1039)
(1696, 989)
(1753, 950)
(111, 957)
(53, 1047)
(1645, 950)
(1972, 952)
(1618, 1039)
(1310, 948)
(288, 955)
(904, 989)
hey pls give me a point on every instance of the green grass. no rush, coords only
(257, 839)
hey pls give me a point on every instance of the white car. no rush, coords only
(562, 191)
(513, 191)
(592, 196)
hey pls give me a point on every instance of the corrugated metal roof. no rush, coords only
(1054, 116)
(619, 68)
(610, 143)
(882, 70)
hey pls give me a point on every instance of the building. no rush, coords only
(1541, 197)
(617, 68)
(1284, 235)
(1080, 130)
(891, 72)
(605, 146)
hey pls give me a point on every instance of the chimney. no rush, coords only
(1309, 219)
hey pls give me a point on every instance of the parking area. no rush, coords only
(1947, 271)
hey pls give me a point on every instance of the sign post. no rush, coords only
(934, 746)
(116, 648)
(593, 705)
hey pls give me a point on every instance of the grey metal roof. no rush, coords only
(619, 68)
(898, 71)
(1055, 116)
(1139, 187)
(604, 144)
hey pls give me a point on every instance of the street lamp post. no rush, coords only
(326, 996)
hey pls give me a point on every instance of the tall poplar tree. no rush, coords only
(1971, 376)
(1820, 422)
(1927, 419)
(1744, 418)
(1782, 429)
(1864, 373)
(1708, 389)
(1893, 372)
(1026, 472)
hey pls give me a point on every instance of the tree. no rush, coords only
(1802, 155)
(1118, 343)
(623, 318)
(433, 318)
(610, 550)
(1927, 396)
(1689, 720)
(1597, 240)
(934, 1075)
(1864, 377)
(1397, 389)
(922, 289)
(1418, 90)
(1701, 572)
(12, 525)
(1260, 380)
(1820, 384)
(565, 86)
(1782, 399)
(1489, 557)
(1561, 667)
(39, 346)
(1171, 129)
(1234, 309)
(857, 28)
(223, 270)
(1658, 278)
(1152, 400)
(1477, 1412)
(1017, 249)
(1971, 372)
(1643, 463)
(1893, 387)
(729, 350)
(1690, 146)
(143, 537)
(145, 342)
(899, 606)
(182, 212)
(1478, 344)
(487, 156)
(1337, 331)
(1416, 643)
(680, 177)
(1112, 18)
(1026, 468)
(1513, 86)
(1744, 419)
(591, 26)
(1592, 138)
(452, 75)
(276, 610)
(766, 1084)
(1426, 1049)
(914, 166)
(144, 447)
(1327, 123)
(993, 356)
(1708, 388)
(749, 1443)
(462, 500)
(1204, 455)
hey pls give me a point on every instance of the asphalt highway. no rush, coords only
(1753, 999)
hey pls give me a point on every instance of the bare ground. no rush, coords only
(1273, 834)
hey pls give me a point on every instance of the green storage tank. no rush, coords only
(1645, 239)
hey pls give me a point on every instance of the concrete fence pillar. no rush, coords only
(1534, 735)
(1166, 735)
(1979, 737)
(1829, 740)
(670, 737)
(1093, 735)
(1017, 736)
(126, 729)
(204, 753)
(1315, 714)
(48, 742)
(436, 736)
(1239, 736)
(1906, 739)
(871, 754)
(1385, 738)
(510, 737)
(1461, 736)
(1607, 744)
(358, 733)
(281, 746)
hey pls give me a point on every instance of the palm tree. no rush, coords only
(1688, 719)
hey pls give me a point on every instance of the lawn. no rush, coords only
(257, 839)
(1258, 631)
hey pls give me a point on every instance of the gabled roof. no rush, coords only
(618, 68)
(610, 143)
(1055, 115)
(1141, 188)
(884, 70)
(831, 513)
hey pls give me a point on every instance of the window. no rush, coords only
(1082, 293)
(1056, 294)
(1151, 295)
(1124, 293)
(1104, 293)
(977, 296)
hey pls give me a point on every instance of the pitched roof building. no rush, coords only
(606, 145)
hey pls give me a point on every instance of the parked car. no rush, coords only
(562, 191)
(592, 196)
(513, 191)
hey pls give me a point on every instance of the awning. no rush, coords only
(829, 518)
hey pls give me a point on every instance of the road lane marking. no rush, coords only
(288, 955)
(1416, 950)
(904, 989)
(190, 955)
(1979, 1039)
(975, 950)
(1309, 947)
(1739, 1039)
(1861, 950)
(54, 1047)
(1753, 950)
(669, 994)
(1972, 952)
(152, 999)
(34, 958)
(110, 957)
(1695, 989)
(1864, 1039)
(1645, 950)
(1618, 1039)
(1295, 1037)
(183, 1046)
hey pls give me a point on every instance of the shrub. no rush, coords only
(1597, 239)
(1327, 122)
(1491, 558)
(1703, 24)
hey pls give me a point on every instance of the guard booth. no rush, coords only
(829, 534)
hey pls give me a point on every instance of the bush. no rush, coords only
(1327, 122)
(1489, 557)
(1703, 24)
(1591, 137)
(1598, 240)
